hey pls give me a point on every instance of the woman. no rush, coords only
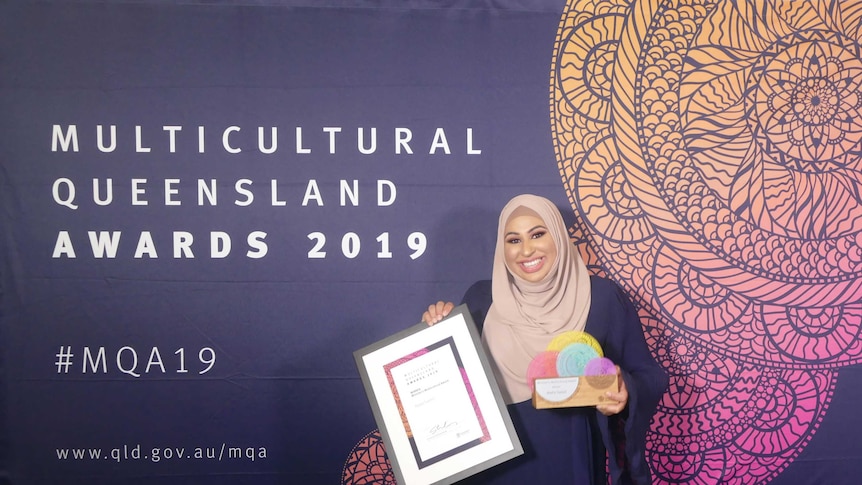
(541, 288)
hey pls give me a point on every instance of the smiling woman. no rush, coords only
(540, 289)
(529, 250)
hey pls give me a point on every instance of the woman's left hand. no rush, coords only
(617, 401)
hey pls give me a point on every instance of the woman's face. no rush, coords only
(529, 250)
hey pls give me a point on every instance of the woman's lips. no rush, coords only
(532, 265)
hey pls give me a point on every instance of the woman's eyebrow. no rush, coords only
(513, 233)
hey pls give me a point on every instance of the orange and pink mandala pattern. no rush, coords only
(367, 463)
(711, 154)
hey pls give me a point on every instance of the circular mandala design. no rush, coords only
(367, 463)
(603, 192)
(806, 102)
(711, 152)
(589, 59)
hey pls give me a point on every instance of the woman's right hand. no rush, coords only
(437, 311)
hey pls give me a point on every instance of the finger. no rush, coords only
(442, 308)
(447, 308)
(436, 308)
(607, 409)
(434, 312)
(431, 315)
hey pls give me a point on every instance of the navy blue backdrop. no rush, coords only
(280, 325)
(182, 284)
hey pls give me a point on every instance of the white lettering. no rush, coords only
(171, 190)
(299, 147)
(382, 185)
(201, 139)
(470, 149)
(139, 145)
(225, 139)
(275, 201)
(208, 191)
(63, 246)
(348, 192)
(130, 371)
(260, 141)
(100, 358)
(439, 142)
(146, 246)
(332, 130)
(69, 139)
(109, 189)
(402, 140)
(258, 247)
(183, 245)
(155, 359)
(99, 139)
(241, 189)
(312, 191)
(138, 191)
(104, 244)
(360, 142)
(172, 136)
(219, 244)
(68, 201)
(233, 139)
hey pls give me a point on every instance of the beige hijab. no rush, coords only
(524, 317)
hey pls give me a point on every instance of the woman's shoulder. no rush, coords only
(478, 300)
(609, 304)
(603, 287)
(479, 288)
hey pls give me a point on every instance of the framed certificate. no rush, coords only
(434, 397)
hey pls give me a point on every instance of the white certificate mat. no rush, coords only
(436, 402)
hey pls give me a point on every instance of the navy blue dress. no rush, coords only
(568, 446)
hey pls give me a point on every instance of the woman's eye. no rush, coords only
(513, 241)
(539, 234)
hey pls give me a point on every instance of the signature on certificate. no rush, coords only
(441, 428)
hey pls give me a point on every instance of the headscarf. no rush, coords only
(525, 316)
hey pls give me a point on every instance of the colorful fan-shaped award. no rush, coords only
(575, 337)
(543, 365)
(573, 353)
(572, 371)
(572, 360)
(599, 367)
